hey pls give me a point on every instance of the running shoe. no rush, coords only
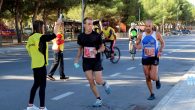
(158, 84)
(32, 108)
(43, 108)
(107, 88)
(64, 77)
(98, 103)
(152, 97)
(51, 78)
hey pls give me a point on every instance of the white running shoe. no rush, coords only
(32, 108)
(98, 103)
(43, 108)
(107, 88)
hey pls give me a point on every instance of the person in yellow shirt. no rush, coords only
(37, 47)
(109, 35)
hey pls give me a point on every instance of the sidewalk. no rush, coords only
(21, 48)
(181, 96)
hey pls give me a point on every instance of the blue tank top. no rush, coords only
(149, 45)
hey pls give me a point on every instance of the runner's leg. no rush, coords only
(146, 69)
(89, 76)
(98, 77)
(154, 72)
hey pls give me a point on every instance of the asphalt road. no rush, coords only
(129, 91)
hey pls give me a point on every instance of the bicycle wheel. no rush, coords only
(117, 55)
(133, 56)
(133, 52)
(106, 53)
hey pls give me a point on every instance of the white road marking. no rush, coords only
(131, 68)
(114, 75)
(165, 54)
(87, 85)
(62, 95)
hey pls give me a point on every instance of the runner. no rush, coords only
(150, 55)
(91, 46)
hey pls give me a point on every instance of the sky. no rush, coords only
(192, 1)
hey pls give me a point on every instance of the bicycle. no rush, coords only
(107, 52)
(133, 49)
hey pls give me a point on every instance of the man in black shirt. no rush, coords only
(91, 46)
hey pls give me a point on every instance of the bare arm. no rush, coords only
(138, 41)
(101, 49)
(79, 53)
(162, 43)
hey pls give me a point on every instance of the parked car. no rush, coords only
(176, 32)
(5, 31)
(185, 31)
(27, 31)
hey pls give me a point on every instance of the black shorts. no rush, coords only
(150, 61)
(94, 66)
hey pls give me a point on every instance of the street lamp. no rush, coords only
(82, 14)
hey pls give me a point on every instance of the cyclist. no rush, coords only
(133, 32)
(109, 35)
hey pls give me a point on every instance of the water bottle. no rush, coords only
(76, 65)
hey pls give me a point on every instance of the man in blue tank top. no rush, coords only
(148, 42)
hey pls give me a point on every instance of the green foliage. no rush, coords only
(171, 10)
(124, 10)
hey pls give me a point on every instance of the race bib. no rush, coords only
(88, 52)
(149, 51)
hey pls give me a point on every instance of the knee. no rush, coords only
(91, 82)
(148, 79)
(99, 82)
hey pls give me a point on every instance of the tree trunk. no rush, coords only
(16, 21)
(37, 5)
(59, 12)
(1, 3)
(85, 6)
(21, 29)
(45, 19)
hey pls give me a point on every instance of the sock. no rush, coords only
(99, 98)
(104, 83)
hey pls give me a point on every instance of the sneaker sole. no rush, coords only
(96, 106)
(51, 79)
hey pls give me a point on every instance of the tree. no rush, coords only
(1, 3)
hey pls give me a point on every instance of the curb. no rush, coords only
(173, 100)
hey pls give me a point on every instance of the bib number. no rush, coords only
(88, 52)
(150, 52)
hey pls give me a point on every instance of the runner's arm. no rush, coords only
(101, 49)
(160, 39)
(79, 53)
(138, 41)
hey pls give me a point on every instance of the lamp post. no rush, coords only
(163, 21)
(82, 14)
(178, 15)
(139, 20)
